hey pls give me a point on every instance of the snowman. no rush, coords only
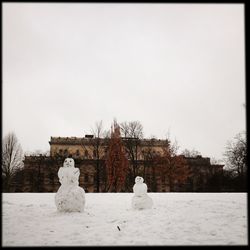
(141, 200)
(69, 197)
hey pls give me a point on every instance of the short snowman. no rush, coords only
(141, 200)
(69, 197)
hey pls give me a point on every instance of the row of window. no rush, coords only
(51, 177)
(65, 152)
(86, 153)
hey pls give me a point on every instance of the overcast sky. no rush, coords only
(176, 68)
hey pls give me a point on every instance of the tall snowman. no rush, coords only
(141, 200)
(69, 197)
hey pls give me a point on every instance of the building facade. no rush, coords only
(40, 172)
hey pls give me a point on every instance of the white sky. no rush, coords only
(173, 67)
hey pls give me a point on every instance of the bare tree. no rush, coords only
(236, 162)
(147, 155)
(215, 161)
(12, 159)
(190, 153)
(132, 133)
(132, 129)
(149, 168)
(98, 145)
(236, 155)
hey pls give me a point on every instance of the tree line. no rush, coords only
(120, 166)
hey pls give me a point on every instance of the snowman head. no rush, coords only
(69, 163)
(139, 180)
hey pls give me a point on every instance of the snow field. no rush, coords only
(31, 219)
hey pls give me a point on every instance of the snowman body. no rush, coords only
(141, 200)
(69, 197)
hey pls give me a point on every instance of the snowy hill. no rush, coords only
(31, 219)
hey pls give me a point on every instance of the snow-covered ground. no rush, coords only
(31, 219)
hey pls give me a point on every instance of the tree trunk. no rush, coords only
(97, 176)
(170, 184)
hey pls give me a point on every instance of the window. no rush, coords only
(51, 177)
(77, 152)
(86, 153)
(163, 179)
(40, 178)
(86, 178)
(31, 177)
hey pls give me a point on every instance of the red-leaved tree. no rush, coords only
(173, 166)
(116, 161)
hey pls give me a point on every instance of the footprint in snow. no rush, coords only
(213, 233)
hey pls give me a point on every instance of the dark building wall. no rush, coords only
(40, 175)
